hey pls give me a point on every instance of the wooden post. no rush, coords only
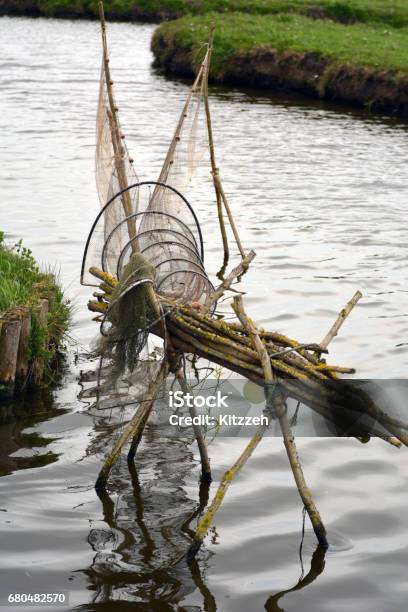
(227, 282)
(205, 522)
(9, 341)
(22, 355)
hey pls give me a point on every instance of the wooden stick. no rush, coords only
(220, 194)
(214, 169)
(344, 313)
(288, 437)
(230, 217)
(22, 366)
(226, 283)
(103, 276)
(394, 426)
(137, 436)
(9, 341)
(198, 433)
(135, 426)
(116, 136)
(206, 521)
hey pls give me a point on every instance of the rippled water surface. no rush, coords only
(321, 194)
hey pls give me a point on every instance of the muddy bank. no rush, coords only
(306, 73)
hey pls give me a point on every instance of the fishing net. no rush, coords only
(189, 143)
(152, 218)
(130, 315)
(114, 171)
(146, 233)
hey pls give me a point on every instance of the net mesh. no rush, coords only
(126, 325)
(114, 171)
(151, 218)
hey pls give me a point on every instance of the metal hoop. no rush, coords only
(133, 216)
(122, 253)
(140, 184)
(204, 276)
(181, 246)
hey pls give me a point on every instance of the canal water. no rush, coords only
(320, 192)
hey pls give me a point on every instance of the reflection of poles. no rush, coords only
(150, 545)
(148, 548)
(203, 496)
(316, 568)
(210, 604)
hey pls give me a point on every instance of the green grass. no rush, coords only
(22, 283)
(391, 12)
(18, 273)
(377, 47)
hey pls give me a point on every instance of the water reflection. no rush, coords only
(316, 568)
(159, 582)
(21, 448)
(140, 552)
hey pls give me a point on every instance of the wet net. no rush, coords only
(151, 218)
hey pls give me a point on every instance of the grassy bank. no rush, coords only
(391, 12)
(23, 286)
(352, 51)
(360, 63)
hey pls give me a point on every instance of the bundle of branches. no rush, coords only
(299, 368)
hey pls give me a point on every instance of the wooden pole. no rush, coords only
(219, 191)
(205, 522)
(9, 341)
(117, 137)
(22, 366)
(288, 437)
(214, 169)
(198, 433)
(227, 282)
(344, 313)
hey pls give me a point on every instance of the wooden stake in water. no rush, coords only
(272, 402)
(288, 437)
